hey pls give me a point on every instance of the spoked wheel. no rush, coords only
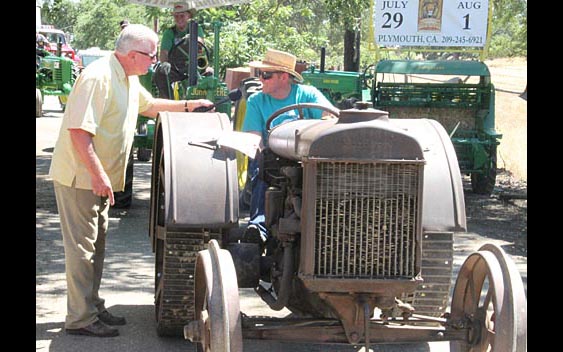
(218, 322)
(489, 298)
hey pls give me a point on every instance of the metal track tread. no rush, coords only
(432, 296)
(177, 295)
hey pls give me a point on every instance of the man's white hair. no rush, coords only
(135, 37)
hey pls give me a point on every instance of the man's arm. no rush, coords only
(82, 142)
(163, 55)
(166, 44)
(159, 105)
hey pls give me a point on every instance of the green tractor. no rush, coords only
(342, 88)
(459, 95)
(196, 85)
(54, 75)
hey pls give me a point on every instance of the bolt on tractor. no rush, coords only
(361, 210)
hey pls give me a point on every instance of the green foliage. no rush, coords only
(299, 27)
(510, 28)
(60, 13)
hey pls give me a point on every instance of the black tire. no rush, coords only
(484, 183)
(144, 154)
(124, 199)
(38, 103)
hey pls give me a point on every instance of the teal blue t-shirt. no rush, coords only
(261, 106)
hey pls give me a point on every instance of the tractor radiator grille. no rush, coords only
(366, 219)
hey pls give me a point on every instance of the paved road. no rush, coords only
(128, 279)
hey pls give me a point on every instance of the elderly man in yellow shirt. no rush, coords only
(89, 163)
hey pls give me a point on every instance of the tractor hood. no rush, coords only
(357, 134)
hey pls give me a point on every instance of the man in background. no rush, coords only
(168, 72)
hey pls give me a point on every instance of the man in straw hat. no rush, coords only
(166, 73)
(280, 88)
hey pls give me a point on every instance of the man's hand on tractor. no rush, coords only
(165, 67)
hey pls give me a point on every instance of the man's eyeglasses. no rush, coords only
(266, 75)
(151, 56)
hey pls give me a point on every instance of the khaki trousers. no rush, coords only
(84, 224)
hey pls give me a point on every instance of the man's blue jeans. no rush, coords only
(257, 198)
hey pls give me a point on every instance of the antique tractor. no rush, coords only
(458, 94)
(54, 75)
(362, 210)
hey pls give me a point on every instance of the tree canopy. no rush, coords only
(296, 26)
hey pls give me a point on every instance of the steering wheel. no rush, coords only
(179, 55)
(369, 76)
(299, 108)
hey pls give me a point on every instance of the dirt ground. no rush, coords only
(510, 77)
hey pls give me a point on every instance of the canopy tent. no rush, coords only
(195, 4)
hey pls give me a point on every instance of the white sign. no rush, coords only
(194, 4)
(430, 23)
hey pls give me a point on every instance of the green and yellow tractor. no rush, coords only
(54, 75)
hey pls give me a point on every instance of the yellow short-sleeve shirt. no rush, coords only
(104, 102)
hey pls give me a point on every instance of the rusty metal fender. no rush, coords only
(200, 176)
(443, 200)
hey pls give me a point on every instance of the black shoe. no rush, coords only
(111, 319)
(96, 329)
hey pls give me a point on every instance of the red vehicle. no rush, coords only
(55, 36)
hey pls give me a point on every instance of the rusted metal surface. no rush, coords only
(432, 295)
(331, 331)
(217, 309)
(489, 300)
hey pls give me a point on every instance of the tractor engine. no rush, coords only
(344, 208)
(344, 211)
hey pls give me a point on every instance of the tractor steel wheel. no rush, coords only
(175, 253)
(38, 103)
(489, 298)
(431, 297)
(164, 258)
(218, 324)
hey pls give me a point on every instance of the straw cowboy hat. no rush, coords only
(180, 7)
(276, 60)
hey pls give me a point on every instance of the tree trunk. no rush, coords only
(349, 44)
(352, 50)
